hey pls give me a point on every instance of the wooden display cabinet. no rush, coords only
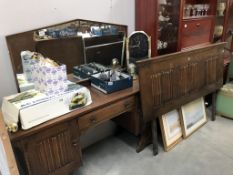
(160, 20)
(223, 29)
(196, 23)
(176, 25)
(168, 22)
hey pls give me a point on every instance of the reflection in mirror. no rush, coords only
(72, 43)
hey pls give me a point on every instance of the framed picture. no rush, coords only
(171, 129)
(193, 116)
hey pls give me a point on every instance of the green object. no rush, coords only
(224, 103)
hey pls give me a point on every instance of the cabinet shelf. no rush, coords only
(197, 17)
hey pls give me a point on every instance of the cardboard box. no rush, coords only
(24, 85)
(50, 80)
(109, 86)
(39, 107)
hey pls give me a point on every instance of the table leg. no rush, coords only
(154, 137)
(145, 137)
(213, 116)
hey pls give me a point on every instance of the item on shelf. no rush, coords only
(218, 30)
(162, 45)
(206, 8)
(29, 59)
(86, 70)
(24, 85)
(187, 10)
(163, 18)
(163, 2)
(221, 8)
(104, 30)
(111, 81)
(20, 107)
(55, 33)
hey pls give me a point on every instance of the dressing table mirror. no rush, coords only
(72, 43)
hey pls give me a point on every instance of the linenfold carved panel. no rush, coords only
(169, 81)
(54, 151)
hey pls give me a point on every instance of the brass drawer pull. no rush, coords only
(75, 143)
(127, 104)
(93, 120)
(198, 24)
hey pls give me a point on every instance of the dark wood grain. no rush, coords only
(54, 151)
(167, 82)
(100, 100)
(146, 20)
(53, 147)
(196, 31)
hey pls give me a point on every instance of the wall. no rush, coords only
(23, 15)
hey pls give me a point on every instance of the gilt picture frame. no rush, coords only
(171, 129)
(193, 116)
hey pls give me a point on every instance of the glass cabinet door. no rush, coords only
(229, 25)
(168, 23)
(219, 29)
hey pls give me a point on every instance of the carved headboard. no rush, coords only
(169, 81)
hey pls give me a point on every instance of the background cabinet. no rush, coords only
(176, 24)
(196, 22)
(223, 30)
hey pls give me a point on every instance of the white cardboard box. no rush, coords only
(24, 85)
(40, 108)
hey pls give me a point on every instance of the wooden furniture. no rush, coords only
(196, 23)
(54, 147)
(223, 19)
(69, 50)
(6, 151)
(169, 81)
(176, 25)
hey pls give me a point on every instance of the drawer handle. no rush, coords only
(185, 26)
(127, 104)
(75, 143)
(198, 24)
(93, 120)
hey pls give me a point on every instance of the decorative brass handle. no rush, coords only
(75, 143)
(198, 24)
(127, 104)
(93, 120)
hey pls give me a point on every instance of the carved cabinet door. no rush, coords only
(53, 151)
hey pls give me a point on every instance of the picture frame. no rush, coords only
(171, 129)
(193, 116)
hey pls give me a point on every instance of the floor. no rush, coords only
(209, 151)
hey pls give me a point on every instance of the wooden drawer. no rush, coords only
(196, 31)
(108, 112)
